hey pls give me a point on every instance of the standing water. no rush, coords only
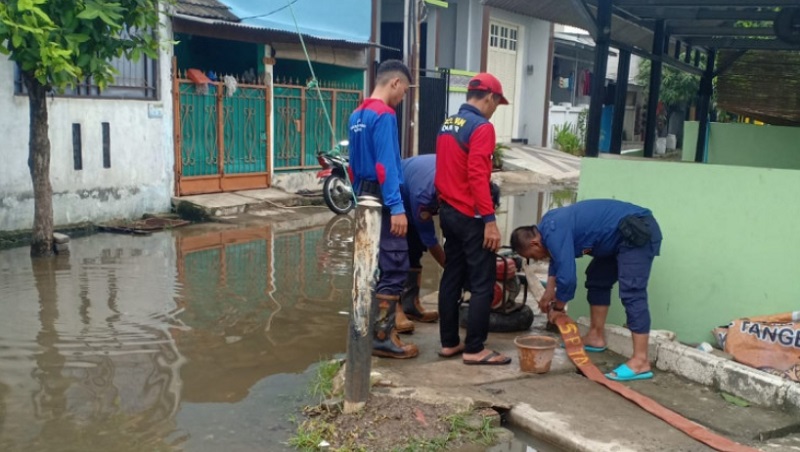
(203, 338)
(197, 339)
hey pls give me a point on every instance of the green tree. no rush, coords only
(678, 88)
(56, 43)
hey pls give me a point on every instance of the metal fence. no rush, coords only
(221, 136)
(301, 129)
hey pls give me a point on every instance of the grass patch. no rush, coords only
(464, 429)
(310, 433)
(321, 385)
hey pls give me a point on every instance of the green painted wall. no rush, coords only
(747, 145)
(730, 240)
(298, 70)
(689, 140)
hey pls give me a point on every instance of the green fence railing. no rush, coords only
(301, 129)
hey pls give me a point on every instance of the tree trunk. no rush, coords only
(39, 166)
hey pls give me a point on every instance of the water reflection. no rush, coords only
(131, 343)
(255, 305)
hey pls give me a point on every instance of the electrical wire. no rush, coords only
(271, 12)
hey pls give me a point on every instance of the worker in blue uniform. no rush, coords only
(375, 170)
(623, 239)
(421, 205)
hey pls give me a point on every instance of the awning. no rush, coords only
(237, 31)
(337, 20)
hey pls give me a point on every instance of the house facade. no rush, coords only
(468, 37)
(109, 149)
(254, 120)
(228, 107)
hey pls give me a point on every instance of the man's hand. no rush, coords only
(491, 236)
(547, 299)
(556, 307)
(437, 252)
(399, 225)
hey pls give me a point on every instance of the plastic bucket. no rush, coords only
(535, 353)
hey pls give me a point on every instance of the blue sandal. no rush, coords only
(592, 349)
(625, 373)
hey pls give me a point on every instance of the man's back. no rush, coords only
(590, 224)
(375, 149)
(418, 175)
(463, 164)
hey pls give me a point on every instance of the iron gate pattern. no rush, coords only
(217, 124)
(301, 129)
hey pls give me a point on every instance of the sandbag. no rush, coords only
(768, 343)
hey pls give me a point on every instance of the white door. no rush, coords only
(502, 63)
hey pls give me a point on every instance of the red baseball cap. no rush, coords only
(487, 82)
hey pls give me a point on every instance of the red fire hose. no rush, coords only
(576, 353)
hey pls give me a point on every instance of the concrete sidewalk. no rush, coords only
(555, 165)
(220, 205)
(573, 413)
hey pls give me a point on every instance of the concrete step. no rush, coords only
(236, 203)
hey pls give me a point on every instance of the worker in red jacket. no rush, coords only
(464, 151)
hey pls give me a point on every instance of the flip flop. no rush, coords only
(592, 349)
(625, 373)
(486, 361)
(450, 355)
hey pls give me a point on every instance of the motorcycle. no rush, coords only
(336, 189)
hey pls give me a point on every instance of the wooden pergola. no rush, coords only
(680, 33)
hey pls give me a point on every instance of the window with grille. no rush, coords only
(133, 80)
(503, 37)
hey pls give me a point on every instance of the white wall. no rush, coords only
(532, 88)
(141, 175)
(448, 26)
(460, 35)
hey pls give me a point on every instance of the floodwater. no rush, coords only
(194, 338)
(202, 338)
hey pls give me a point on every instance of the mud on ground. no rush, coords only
(395, 424)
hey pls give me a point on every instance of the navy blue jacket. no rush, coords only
(419, 195)
(586, 227)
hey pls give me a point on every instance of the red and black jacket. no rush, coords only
(464, 163)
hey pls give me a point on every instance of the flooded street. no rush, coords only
(202, 338)
(196, 338)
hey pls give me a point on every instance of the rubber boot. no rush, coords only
(385, 341)
(410, 299)
(401, 322)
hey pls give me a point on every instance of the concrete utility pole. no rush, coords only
(365, 271)
(411, 50)
(418, 6)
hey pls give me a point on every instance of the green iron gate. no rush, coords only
(221, 136)
(301, 129)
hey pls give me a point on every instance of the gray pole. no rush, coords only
(604, 14)
(365, 272)
(654, 89)
(623, 71)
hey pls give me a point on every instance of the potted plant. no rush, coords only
(497, 156)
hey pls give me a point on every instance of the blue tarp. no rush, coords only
(349, 20)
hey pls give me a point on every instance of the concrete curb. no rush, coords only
(238, 203)
(708, 369)
(548, 427)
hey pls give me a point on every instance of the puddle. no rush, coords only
(192, 338)
(199, 338)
